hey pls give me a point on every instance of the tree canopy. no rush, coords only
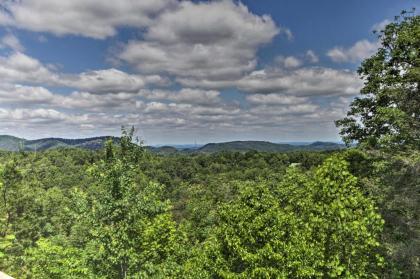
(387, 114)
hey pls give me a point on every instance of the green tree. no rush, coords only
(55, 258)
(9, 177)
(387, 114)
(345, 222)
(319, 226)
(131, 231)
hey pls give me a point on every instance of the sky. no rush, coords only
(185, 71)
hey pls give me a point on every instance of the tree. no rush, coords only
(55, 258)
(318, 226)
(9, 176)
(345, 222)
(388, 112)
(131, 231)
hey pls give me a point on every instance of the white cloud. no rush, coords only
(299, 109)
(12, 42)
(307, 81)
(19, 67)
(275, 99)
(94, 18)
(185, 95)
(19, 94)
(29, 96)
(311, 56)
(288, 33)
(31, 115)
(303, 82)
(207, 39)
(107, 103)
(109, 81)
(379, 26)
(288, 62)
(356, 53)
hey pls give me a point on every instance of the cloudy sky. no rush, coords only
(184, 71)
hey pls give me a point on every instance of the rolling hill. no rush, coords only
(266, 146)
(10, 143)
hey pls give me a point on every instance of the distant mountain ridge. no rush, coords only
(266, 146)
(11, 143)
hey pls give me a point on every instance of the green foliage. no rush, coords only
(393, 181)
(305, 227)
(74, 213)
(131, 231)
(346, 223)
(5, 243)
(385, 123)
(123, 212)
(388, 113)
(55, 258)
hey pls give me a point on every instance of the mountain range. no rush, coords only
(11, 143)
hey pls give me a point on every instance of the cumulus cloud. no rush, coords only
(21, 67)
(275, 99)
(107, 103)
(19, 94)
(110, 80)
(130, 102)
(288, 62)
(379, 26)
(185, 95)
(307, 81)
(311, 56)
(217, 39)
(303, 82)
(95, 18)
(12, 42)
(29, 96)
(31, 115)
(299, 109)
(288, 33)
(356, 53)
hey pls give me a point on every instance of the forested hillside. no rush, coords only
(123, 211)
(265, 146)
(10, 143)
(73, 213)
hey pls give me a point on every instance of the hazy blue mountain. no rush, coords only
(245, 146)
(267, 146)
(11, 143)
(164, 150)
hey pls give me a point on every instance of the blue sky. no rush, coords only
(184, 71)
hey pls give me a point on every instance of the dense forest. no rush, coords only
(126, 212)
